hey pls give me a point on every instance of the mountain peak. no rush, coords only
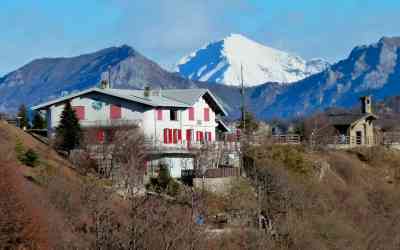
(391, 41)
(221, 62)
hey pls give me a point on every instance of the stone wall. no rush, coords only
(215, 185)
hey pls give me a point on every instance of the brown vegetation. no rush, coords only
(349, 201)
(314, 200)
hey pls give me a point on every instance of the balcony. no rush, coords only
(156, 146)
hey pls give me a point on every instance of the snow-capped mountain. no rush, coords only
(221, 62)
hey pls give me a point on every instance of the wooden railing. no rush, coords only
(156, 145)
(286, 139)
(351, 140)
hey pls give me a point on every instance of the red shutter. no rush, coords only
(206, 114)
(191, 114)
(169, 136)
(159, 114)
(188, 135)
(100, 136)
(175, 136)
(209, 136)
(180, 135)
(79, 112)
(165, 135)
(115, 112)
(201, 136)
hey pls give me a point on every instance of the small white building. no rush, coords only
(172, 120)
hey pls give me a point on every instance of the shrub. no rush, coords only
(30, 158)
(164, 183)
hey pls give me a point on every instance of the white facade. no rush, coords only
(158, 127)
(97, 113)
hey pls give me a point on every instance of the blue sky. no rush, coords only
(166, 30)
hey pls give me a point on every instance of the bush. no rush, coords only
(164, 183)
(291, 157)
(30, 158)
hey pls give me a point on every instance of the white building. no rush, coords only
(172, 120)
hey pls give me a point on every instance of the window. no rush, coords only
(169, 136)
(191, 114)
(79, 112)
(115, 112)
(177, 136)
(208, 136)
(172, 136)
(100, 135)
(189, 135)
(206, 114)
(173, 115)
(199, 136)
(159, 114)
(165, 136)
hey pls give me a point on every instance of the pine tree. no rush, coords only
(38, 121)
(23, 117)
(68, 133)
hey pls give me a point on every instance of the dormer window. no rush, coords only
(173, 115)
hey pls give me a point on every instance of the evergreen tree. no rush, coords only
(38, 121)
(68, 133)
(23, 117)
(251, 123)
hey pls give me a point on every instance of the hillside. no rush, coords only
(315, 200)
(221, 62)
(30, 218)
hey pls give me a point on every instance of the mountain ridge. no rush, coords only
(370, 69)
(223, 61)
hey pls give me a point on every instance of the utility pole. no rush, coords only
(243, 121)
(243, 100)
(109, 76)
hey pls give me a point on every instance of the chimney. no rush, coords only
(146, 92)
(366, 104)
(104, 84)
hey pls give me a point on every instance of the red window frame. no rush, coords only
(159, 114)
(115, 112)
(191, 114)
(206, 114)
(79, 112)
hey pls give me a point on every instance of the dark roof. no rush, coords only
(348, 119)
(180, 98)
